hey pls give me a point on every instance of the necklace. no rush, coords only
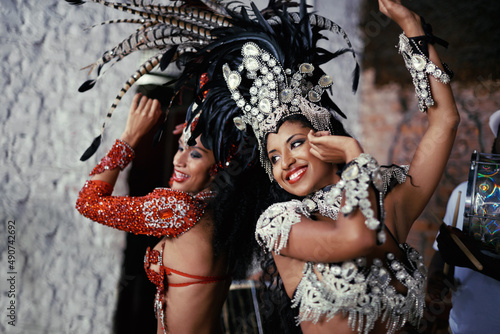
(326, 201)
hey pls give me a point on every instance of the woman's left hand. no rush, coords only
(178, 129)
(333, 149)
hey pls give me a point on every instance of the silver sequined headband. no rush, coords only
(275, 94)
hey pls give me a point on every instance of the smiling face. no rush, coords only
(191, 168)
(295, 168)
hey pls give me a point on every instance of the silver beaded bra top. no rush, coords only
(355, 288)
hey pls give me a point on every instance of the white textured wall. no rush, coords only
(66, 267)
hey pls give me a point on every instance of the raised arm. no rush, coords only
(408, 200)
(143, 115)
(164, 212)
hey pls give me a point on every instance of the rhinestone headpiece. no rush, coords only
(189, 128)
(276, 93)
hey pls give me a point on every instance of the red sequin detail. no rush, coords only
(203, 81)
(141, 215)
(120, 155)
(164, 212)
(214, 169)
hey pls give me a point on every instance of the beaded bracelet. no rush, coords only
(420, 67)
(120, 155)
(356, 178)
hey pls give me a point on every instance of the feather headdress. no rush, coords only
(261, 69)
(207, 35)
(175, 30)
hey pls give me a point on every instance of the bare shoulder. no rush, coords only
(207, 220)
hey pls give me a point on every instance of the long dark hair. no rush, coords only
(241, 197)
(275, 303)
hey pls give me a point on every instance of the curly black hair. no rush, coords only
(241, 198)
(275, 303)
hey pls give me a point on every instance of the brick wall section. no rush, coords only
(392, 127)
(469, 27)
(391, 124)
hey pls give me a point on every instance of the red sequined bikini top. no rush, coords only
(163, 212)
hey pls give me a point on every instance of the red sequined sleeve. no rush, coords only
(164, 212)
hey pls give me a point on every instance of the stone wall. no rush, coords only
(66, 267)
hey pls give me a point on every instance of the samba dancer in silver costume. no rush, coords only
(341, 250)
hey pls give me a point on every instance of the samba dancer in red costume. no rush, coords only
(207, 219)
(192, 270)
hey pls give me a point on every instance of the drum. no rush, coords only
(482, 202)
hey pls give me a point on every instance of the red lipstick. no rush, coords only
(294, 175)
(178, 176)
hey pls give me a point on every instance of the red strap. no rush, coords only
(202, 279)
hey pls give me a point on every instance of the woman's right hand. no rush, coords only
(408, 20)
(143, 115)
(333, 149)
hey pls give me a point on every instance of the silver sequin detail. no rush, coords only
(353, 288)
(420, 68)
(176, 220)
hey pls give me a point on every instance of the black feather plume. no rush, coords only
(202, 37)
(159, 133)
(91, 149)
(167, 57)
(86, 86)
(355, 79)
(290, 41)
(75, 2)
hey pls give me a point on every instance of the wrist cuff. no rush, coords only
(120, 155)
